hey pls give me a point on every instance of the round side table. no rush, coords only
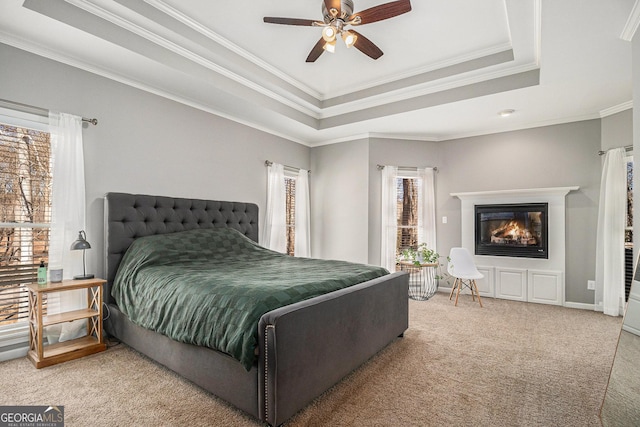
(422, 279)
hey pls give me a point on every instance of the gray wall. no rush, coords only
(145, 143)
(552, 156)
(339, 201)
(617, 130)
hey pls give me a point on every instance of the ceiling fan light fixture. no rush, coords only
(330, 46)
(329, 33)
(349, 38)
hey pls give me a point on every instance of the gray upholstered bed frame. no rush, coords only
(304, 348)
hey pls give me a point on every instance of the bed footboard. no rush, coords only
(309, 346)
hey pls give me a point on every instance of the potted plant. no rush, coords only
(420, 256)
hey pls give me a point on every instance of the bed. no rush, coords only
(301, 349)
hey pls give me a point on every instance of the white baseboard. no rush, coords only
(14, 353)
(580, 305)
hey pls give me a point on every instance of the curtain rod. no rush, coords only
(290, 168)
(413, 168)
(24, 108)
(626, 148)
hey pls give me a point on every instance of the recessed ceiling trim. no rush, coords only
(445, 74)
(492, 50)
(424, 90)
(109, 16)
(455, 94)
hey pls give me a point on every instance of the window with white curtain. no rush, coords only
(287, 218)
(408, 211)
(25, 215)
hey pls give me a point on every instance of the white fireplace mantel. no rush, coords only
(522, 279)
(527, 192)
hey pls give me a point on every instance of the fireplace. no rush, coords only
(512, 230)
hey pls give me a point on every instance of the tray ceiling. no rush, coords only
(448, 66)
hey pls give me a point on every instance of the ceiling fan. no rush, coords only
(338, 14)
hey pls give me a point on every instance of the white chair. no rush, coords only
(463, 269)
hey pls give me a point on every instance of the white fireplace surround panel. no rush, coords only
(522, 279)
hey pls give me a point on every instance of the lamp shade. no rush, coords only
(81, 242)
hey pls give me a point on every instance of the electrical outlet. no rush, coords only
(591, 285)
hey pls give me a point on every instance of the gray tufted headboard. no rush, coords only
(129, 216)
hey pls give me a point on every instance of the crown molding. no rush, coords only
(523, 126)
(415, 91)
(217, 38)
(616, 109)
(421, 70)
(632, 23)
(109, 16)
(54, 55)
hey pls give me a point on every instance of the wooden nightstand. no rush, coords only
(93, 342)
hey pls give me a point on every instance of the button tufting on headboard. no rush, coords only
(129, 216)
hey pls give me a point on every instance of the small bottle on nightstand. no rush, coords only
(42, 273)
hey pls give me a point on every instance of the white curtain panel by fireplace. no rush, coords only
(389, 218)
(302, 245)
(609, 295)
(427, 208)
(274, 232)
(68, 200)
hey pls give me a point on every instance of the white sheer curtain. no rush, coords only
(68, 197)
(274, 232)
(609, 295)
(302, 246)
(389, 218)
(427, 208)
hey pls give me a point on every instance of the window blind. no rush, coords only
(25, 214)
(408, 190)
(290, 213)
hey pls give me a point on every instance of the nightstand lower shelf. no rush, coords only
(68, 350)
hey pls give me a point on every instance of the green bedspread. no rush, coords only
(210, 287)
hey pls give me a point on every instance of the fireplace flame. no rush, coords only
(512, 232)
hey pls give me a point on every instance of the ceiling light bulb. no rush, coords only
(506, 113)
(329, 34)
(330, 46)
(349, 38)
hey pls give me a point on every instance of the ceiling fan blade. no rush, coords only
(335, 4)
(290, 21)
(366, 46)
(383, 11)
(317, 50)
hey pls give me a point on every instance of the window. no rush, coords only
(290, 212)
(628, 231)
(628, 235)
(25, 210)
(408, 190)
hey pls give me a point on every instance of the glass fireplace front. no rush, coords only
(515, 230)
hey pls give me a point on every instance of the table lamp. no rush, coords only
(82, 244)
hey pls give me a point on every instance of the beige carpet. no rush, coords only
(507, 364)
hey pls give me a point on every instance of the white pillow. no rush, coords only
(73, 330)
